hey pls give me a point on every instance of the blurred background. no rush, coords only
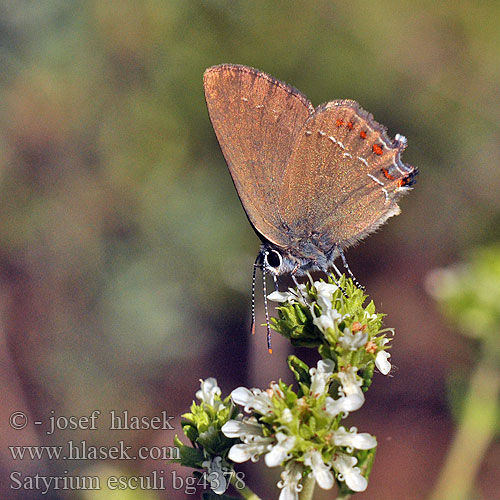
(125, 256)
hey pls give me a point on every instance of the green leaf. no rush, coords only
(299, 369)
(190, 457)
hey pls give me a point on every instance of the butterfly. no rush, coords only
(312, 181)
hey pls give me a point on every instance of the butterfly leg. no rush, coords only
(348, 269)
(275, 278)
(304, 298)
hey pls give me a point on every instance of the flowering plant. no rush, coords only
(299, 429)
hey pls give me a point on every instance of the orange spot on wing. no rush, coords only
(350, 126)
(362, 134)
(377, 149)
(387, 175)
(339, 122)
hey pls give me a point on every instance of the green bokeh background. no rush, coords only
(126, 259)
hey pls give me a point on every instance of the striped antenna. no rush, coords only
(255, 266)
(264, 288)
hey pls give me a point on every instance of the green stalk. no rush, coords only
(307, 492)
(475, 432)
(245, 492)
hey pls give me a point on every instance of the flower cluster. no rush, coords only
(203, 428)
(301, 431)
(334, 318)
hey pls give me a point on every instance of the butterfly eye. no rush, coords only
(273, 259)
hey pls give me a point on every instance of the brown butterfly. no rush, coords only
(312, 181)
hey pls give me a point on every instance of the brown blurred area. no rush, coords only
(126, 259)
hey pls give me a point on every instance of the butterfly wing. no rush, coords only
(353, 180)
(256, 119)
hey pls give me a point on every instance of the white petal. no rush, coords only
(256, 399)
(326, 366)
(344, 465)
(218, 482)
(382, 362)
(279, 452)
(242, 396)
(334, 315)
(355, 480)
(289, 492)
(287, 416)
(280, 296)
(320, 376)
(324, 303)
(238, 428)
(242, 452)
(208, 390)
(351, 383)
(325, 289)
(290, 481)
(353, 341)
(320, 471)
(323, 322)
(363, 441)
(344, 404)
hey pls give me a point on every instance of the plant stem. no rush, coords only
(307, 492)
(475, 432)
(245, 492)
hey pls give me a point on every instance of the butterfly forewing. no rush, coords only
(344, 176)
(257, 120)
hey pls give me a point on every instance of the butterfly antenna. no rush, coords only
(264, 289)
(348, 269)
(255, 266)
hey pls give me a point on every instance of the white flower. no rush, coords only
(352, 341)
(344, 465)
(253, 399)
(290, 296)
(249, 431)
(344, 404)
(325, 289)
(280, 451)
(320, 376)
(256, 445)
(351, 383)
(218, 481)
(290, 481)
(351, 439)
(329, 316)
(209, 389)
(287, 416)
(382, 362)
(277, 296)
(320, 471)
(242, 429)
